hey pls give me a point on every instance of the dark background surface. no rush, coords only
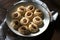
(53, 31)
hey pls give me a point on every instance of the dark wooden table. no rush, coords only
(6, 4)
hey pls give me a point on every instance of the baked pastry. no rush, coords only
(37, 20)
(15, 24)
(21, 9)
(23, 30)
(24, 21)
(29, 14)
(33, 28)
(38, 12)
(16, 15)
(30, 8)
